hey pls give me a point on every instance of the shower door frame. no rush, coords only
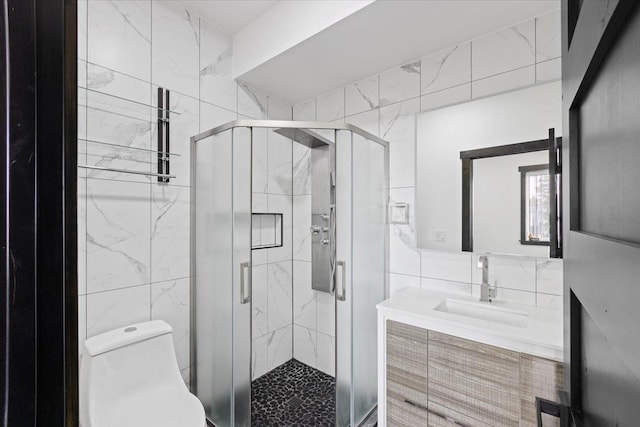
(276, 124)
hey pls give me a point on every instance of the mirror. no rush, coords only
(510, 198)
(483, 181)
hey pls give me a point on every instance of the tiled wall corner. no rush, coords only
(386, 104)
(133, 232)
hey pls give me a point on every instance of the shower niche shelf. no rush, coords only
(266, 230)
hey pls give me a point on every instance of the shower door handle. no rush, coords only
(342, 295)
(245, 296)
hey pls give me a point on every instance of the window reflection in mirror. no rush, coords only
(535, 204)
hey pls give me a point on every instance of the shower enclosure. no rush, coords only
(349, 255)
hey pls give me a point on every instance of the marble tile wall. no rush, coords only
(385, 104)
(133, 232)
(289, 318)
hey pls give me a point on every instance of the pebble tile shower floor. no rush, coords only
(293, 394)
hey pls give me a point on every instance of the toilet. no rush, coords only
(129, 377)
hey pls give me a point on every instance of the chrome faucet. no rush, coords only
(487, 292)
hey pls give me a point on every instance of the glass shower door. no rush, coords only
(368, 252)
(361, 199)
(221, 284)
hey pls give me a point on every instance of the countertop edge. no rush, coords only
(423, 320)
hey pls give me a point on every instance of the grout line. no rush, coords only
(535, 51)
(122, 288)
(471, 70)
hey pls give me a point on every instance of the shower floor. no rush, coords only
(293, 394)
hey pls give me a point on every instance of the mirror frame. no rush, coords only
(553, 145)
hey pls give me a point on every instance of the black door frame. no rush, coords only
(39, 331)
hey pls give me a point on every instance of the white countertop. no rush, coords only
(542, 335)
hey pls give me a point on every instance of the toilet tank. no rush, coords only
(126, 361)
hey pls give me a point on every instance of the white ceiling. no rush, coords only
(381, 36)
(229, 15)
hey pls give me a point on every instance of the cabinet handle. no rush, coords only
(417, 405)
(432, 412)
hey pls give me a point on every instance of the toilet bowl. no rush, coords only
(129, 377)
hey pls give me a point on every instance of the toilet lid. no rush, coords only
(168, 407)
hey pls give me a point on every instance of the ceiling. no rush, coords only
(229, 15)
(378, 37)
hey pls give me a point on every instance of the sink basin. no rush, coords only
(484, 311)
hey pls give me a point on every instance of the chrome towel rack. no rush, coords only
(163, 132)
(159, 175)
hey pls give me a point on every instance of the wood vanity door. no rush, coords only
(538, 378)
(406, 375)
(478, 381)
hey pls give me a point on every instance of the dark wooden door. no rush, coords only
(39, 297)
(601, 158)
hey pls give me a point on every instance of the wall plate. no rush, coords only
(399, 213)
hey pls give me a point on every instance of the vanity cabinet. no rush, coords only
(406, 375)
(435, 379)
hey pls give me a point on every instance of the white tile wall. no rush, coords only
(279, 346)
(113, 309)
(305, 111)
(549, 70)
(548, 40)
(449, 68)
(445, 97)
(504, 82)
(252, 102)
(503, 51)
(170, 302)
(280, 283)
(259, 300)
(402, 281)
(385, 104)
(118, 36)
(133, 232)
(326, 349)
(169, 232)
(259, 357)
(446, 266)
(141, 227)
(118, 235)
(398, 124)
(400, 83)
(361, 96)
(216, 66)
(330, 106)
(175, 57)
(305, 345)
